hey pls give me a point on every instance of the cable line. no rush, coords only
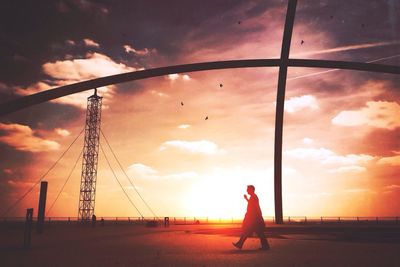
(115, 176)
(66, 181)
(30, 190)
(127, 177)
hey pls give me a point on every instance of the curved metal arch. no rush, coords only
(51, 94)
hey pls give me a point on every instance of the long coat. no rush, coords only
(253, 220)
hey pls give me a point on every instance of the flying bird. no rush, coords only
(206, 118)
(302, 42)
(239, 22)
(220, 85)
(181, 103)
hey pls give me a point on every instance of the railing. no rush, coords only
(292, 220)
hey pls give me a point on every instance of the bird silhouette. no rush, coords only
(206, 118)
(239, 22)
(181, 103)
(302, 42)
(220, 85)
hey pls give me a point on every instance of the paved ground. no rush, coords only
(197, 245)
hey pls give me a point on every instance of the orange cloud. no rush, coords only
(391, 161)
(22, 138)
(62, 132)
(379, 114)
(74, 70)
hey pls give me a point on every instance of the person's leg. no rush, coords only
(263, 239)
(241, 241)
(243, 237)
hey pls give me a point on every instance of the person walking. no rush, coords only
(253, 221)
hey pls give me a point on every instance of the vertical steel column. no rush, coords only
(90, 158)
(280, 101)
(42, 206)
(28, 228)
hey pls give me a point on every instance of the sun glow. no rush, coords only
(220, 194)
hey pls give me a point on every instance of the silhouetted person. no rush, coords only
(94, 220)
(253, 221)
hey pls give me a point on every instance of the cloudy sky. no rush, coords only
(341, 149)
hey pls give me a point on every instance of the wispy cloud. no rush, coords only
(62, 132)
(307, 140)
(142, 170)
(358, 191)
(346, 48)
(175, 76)
(379, 114)
(327, 156)
(69, 71)
(184, 126)
(393, 186)
(348, 169)
(19, 184)
(390, 161)
(90, 42)
(140, 52)
(146, 172)
(298, 103)
(21, 137)
(193, 147)
(70, 42)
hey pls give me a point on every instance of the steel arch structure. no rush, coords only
(283, 63)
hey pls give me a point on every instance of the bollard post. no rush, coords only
(28, 228)
(166, 221)
(42, 206)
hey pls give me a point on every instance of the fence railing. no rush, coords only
(208, 220)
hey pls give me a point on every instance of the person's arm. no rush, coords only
(246, 197)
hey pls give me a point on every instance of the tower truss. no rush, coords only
(90, 158)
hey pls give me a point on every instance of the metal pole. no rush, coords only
(280, 101)
(28, 228)
(42, 206)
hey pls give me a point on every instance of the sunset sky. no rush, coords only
(341, 145)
